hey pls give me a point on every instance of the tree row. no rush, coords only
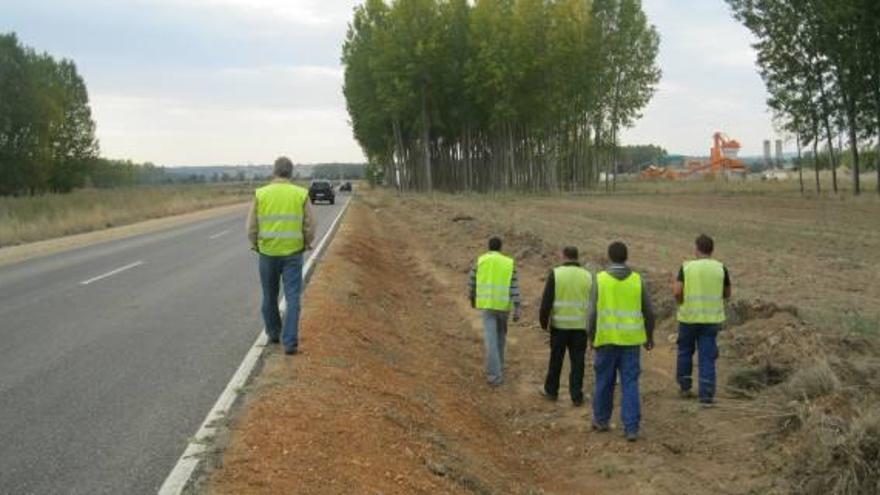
(496, 94)
(820, 60)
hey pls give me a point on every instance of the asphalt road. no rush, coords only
(112, 355)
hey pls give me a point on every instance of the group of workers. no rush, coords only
(611, 313)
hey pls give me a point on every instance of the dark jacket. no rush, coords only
(549, 296)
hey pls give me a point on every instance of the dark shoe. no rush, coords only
(273, 340)
(547, 395)
(632, 436)
(577, 402)
(601, 428)
(685, 394)
(707, 403)
(291, 352)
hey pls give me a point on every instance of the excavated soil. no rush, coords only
(388, 394)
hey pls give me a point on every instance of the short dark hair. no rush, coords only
(570, 253)
(283, 167)
(495, 244)
(617, 252)
(705, 244)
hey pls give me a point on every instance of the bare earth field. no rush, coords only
(388, 395)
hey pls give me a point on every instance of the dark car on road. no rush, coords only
(345, 187)
(322, 190)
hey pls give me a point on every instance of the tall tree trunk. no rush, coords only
(799, 164)
(816, 162)
(831, 153)
(426, 138)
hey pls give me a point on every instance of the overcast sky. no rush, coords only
(197, 82)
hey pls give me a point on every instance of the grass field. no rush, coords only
(395, 396)
(27, 219)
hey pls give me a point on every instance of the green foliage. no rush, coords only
(47, 135)
(634, 158)
(495, 94)
(820, 60)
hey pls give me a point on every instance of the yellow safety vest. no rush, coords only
(494, 275)
(619, 319)
(703, 292)
(571, 297)
(280, 210)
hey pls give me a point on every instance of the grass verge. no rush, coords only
(33, 218)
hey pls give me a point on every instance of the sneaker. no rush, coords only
(547, 395)
(686, 394)
(271, 340)
(291, 351)
(577, 402)
(601, 428)
(632, 436)
(707, 403)
(495, 383)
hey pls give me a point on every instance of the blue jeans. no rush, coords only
(494, 338)
(273, 271)
(701, 337)
(608, 361)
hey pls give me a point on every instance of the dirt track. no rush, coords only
(388, 395)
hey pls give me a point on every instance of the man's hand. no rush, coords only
(649, 345)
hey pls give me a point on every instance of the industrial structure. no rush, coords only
(722, 161)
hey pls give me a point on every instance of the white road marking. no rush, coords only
(111, 273)
(183, 471)
(219, 234)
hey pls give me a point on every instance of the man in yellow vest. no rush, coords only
(494, 290)
(621, 320)
(701, 287)
(564, 314)
(280, 229)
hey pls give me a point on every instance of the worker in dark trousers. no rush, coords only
(564, 314)
(701, 287)
(621, 320)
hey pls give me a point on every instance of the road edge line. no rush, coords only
(181, 474)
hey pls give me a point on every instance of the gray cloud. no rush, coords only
(229, 81)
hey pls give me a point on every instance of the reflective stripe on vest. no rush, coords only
(571, 298)
(703, 292)
(619, 319)
(280, 211)
(494, 275)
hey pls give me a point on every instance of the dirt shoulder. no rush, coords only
(389, 396)
(15, 254)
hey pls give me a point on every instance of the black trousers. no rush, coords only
(575, 341)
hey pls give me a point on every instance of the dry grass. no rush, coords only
(839, 457)
(812, 381)
(811, 260)
(29, 219)
(750, 186)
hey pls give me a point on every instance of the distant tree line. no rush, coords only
(47, 134)
(336, 171)
(495, 94)
(634, 159)
(820, 60)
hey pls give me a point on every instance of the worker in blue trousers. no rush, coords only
(621, 321)
(702, 286)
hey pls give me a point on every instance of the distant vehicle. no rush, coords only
(321, 190)
(346, 187)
